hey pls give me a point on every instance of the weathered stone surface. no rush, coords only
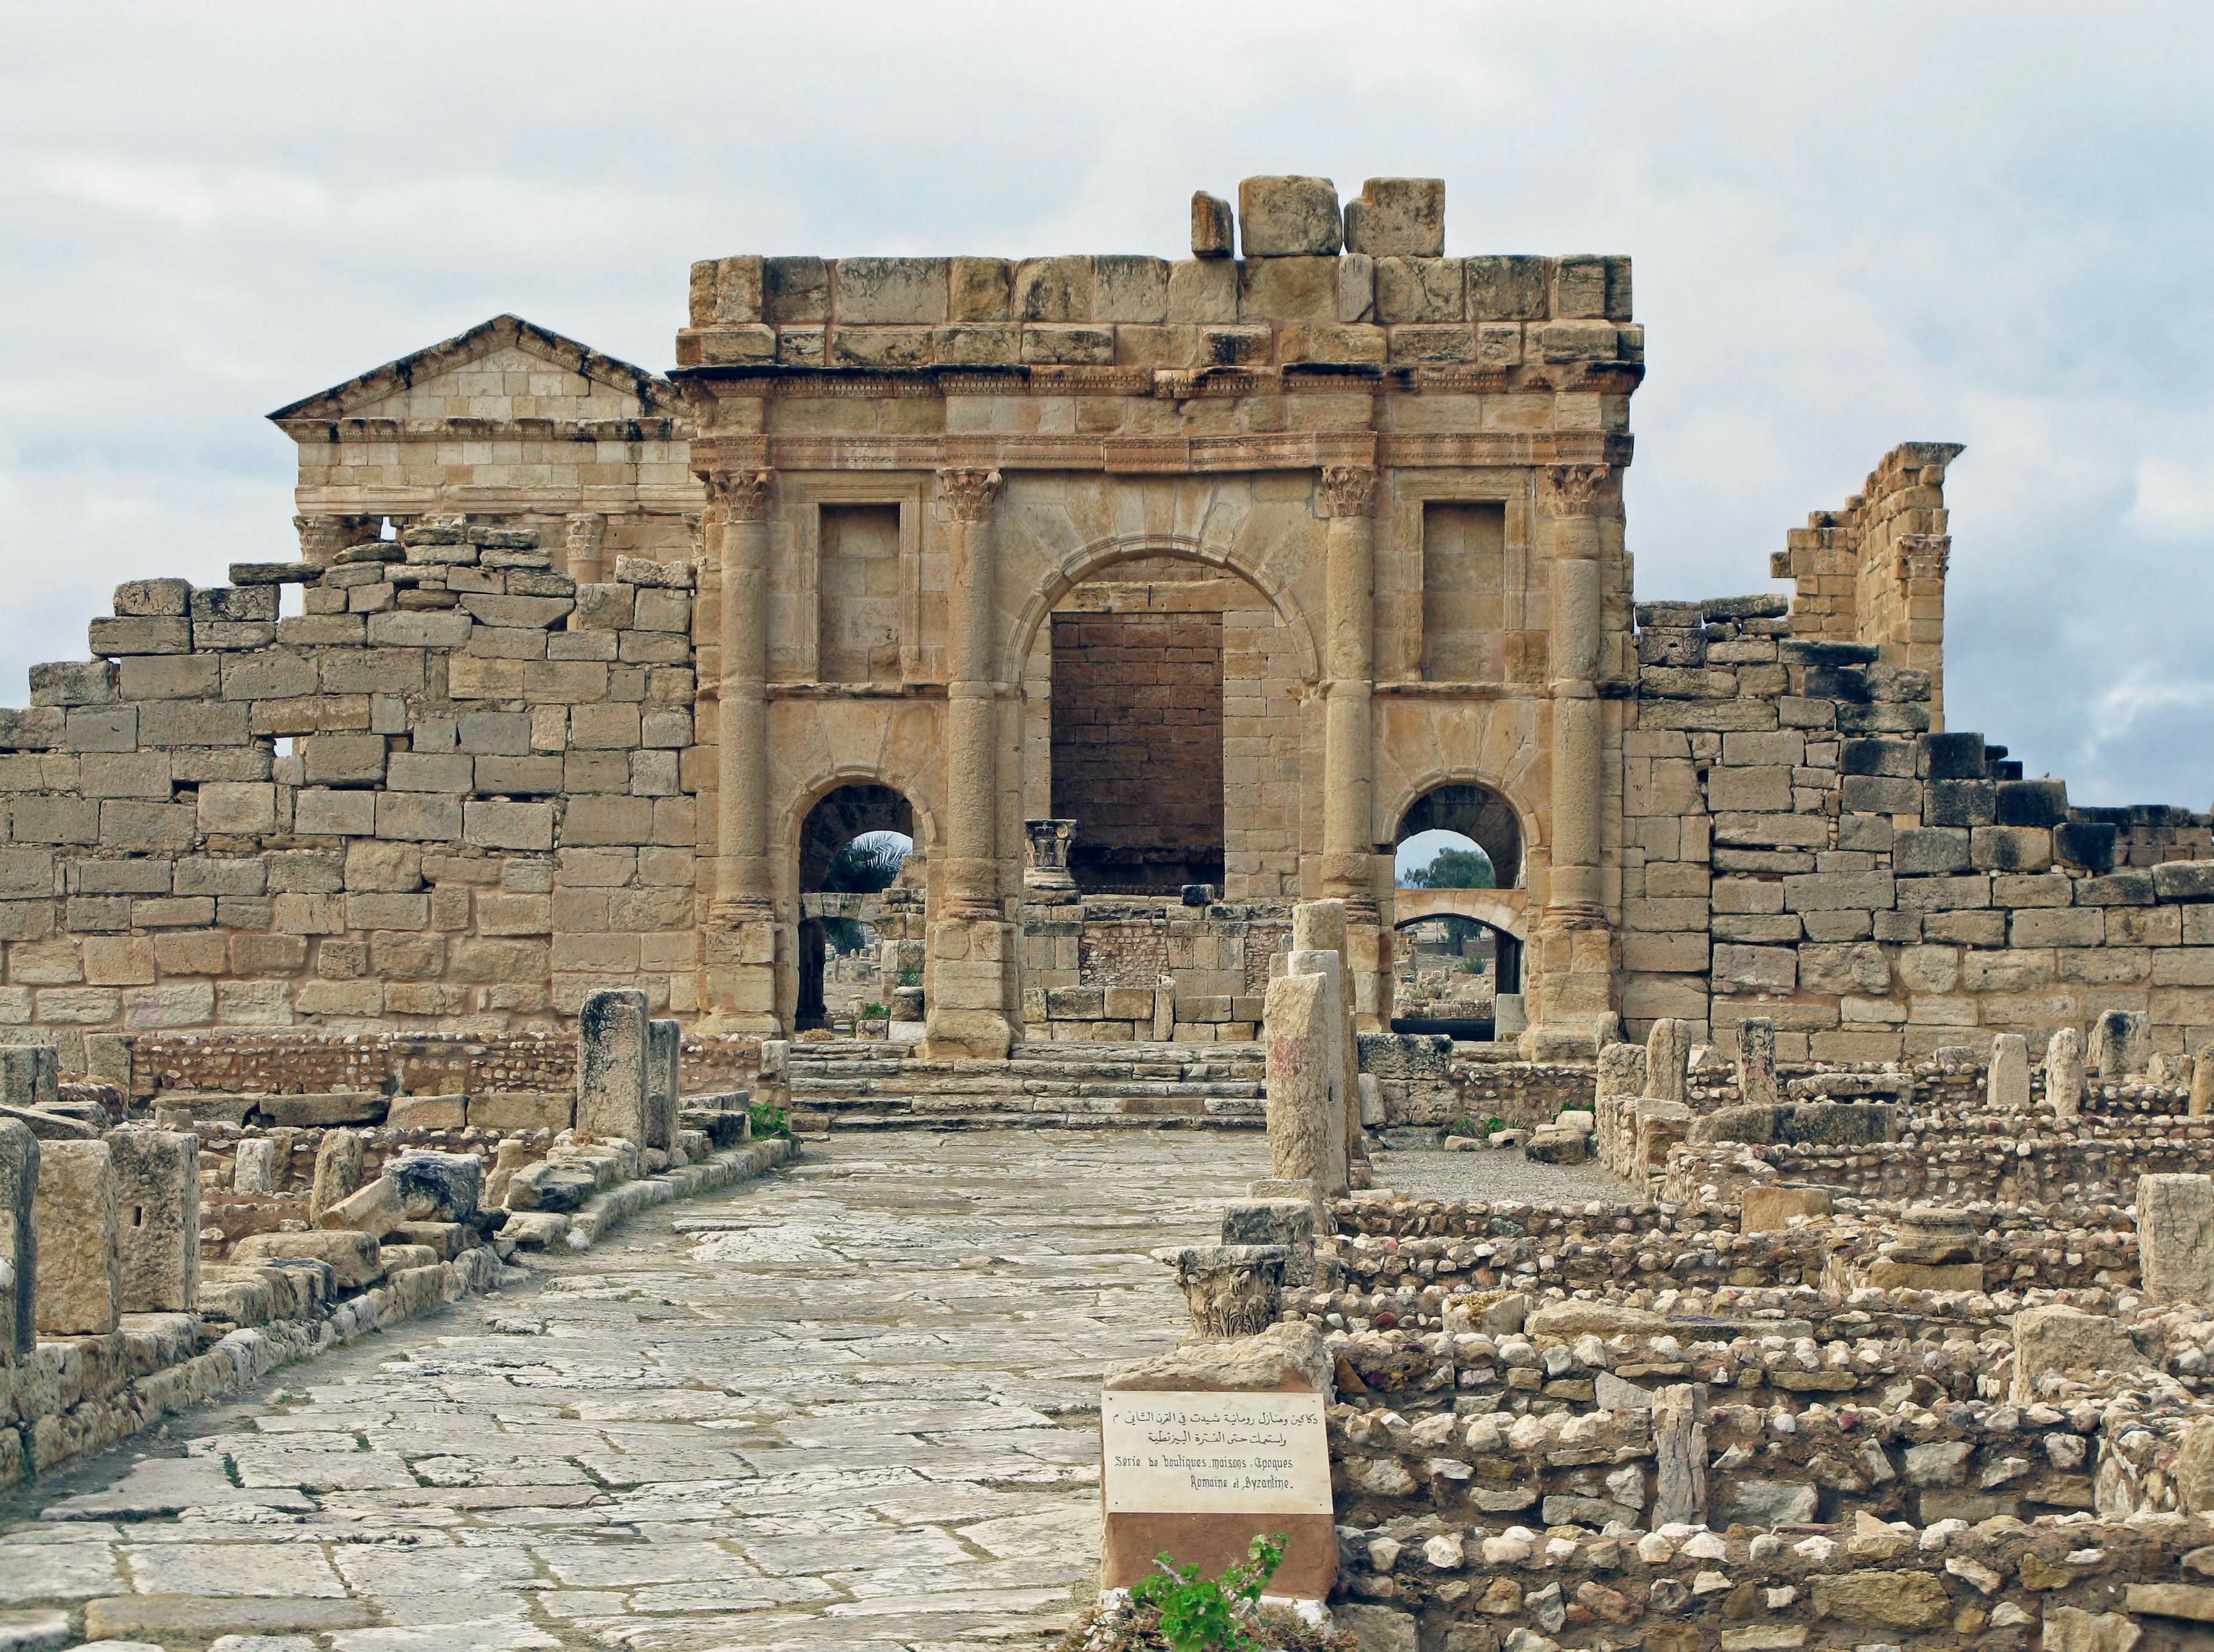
(375, 1209)
(351, 1254)
(338, 1172)
(80, 1269)
(1770, 1209)
(1894, 1600)
(2064, 1072)
(1306, 1125)
(2055, 1340)
(611, 1066)
(157, 1189)
(2175, 1237)
(1232, 1290)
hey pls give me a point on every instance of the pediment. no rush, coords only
(505, 368)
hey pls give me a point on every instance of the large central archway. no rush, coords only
(1162, 688)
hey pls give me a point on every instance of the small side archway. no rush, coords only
(1471, 838)
(844, 811)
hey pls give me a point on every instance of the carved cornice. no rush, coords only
(968, 492)
(739, 495)
(1574, 489)
(1349, 490)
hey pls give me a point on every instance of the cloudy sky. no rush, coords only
(1853, 225)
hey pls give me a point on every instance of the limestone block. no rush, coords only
(158, 1204)
(437, 1186)
(611, 1066)
(1397, 217)
(1289, 218)
(80, 1273)
(428, 1113)
(338, 1172)
(1210, 225)
(351, 1255)
(1203, 290)
(1769, 1210)
(516, 1110)
(2066, 1341)
(2009, 1082)
(375, 1209)
(30, 1075)
(889, 290)
(1668, 1053)
(2175, 1237)
(255, 1168)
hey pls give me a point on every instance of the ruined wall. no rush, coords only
(1800, 846)
(454, 793)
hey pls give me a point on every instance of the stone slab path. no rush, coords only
(852, 1404)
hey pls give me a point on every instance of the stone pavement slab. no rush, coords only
(853, 1405)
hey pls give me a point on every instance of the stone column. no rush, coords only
(967, 1007)
(1347, 497)
(583, 534)
(2064, 1073)
(741, 937)
(2006, 1087)
(1306, 1101)
(1576, 948)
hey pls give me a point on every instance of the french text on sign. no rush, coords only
(1215, 1453)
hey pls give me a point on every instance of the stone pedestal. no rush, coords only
(1046, 878)
(157, 1190)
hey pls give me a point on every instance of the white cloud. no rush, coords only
(1996, 239)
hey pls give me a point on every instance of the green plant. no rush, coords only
(1202, 1614)
(1463, 1126)
(768, 1119)
(874, 1012)
(1494, 1123)
(911, 976)
(1451, 869)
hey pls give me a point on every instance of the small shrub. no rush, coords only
(1185, 1611)
(768, 1119)
(874, 1012)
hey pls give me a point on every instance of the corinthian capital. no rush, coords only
(739, 495)
(1573, 490)
(1347, 490)
(968, 492)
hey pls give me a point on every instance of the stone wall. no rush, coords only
(454, 793)
(1807, 850)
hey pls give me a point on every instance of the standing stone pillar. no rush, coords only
(2121, 1045)
(611, 1062)
(664, 1082)
(1574, 946)
(255, 1168)
(1667, 1057)
(1756, 1062)
(2176, 1238)
(1307, 1126)
(1679, 1450)
(157, 1195)
(1320, 932)
(2064, 1073)
(967, 1007)
(742, 938)
(1347, 497)
(80, 1279)
(338, 1172)
(2006, 1087)
(19, 1239)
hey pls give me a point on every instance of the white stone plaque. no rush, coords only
(1215, 1453)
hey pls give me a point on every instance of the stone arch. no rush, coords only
(1095, 558)
(1478, 809)
(818, 786)
(875, 804)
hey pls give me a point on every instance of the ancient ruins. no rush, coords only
(383, 927)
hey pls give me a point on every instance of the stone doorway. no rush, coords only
(834, 844)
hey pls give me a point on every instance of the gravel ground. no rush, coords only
(1422, 1172)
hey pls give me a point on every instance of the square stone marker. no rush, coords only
(1201, 1474)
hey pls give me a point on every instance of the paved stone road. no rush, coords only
(851, 1404)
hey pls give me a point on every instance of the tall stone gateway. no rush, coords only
(1392, 476)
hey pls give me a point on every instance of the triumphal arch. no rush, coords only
(1232, 560)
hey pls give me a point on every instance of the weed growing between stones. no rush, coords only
(768, 1119)
(1184, 1612)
